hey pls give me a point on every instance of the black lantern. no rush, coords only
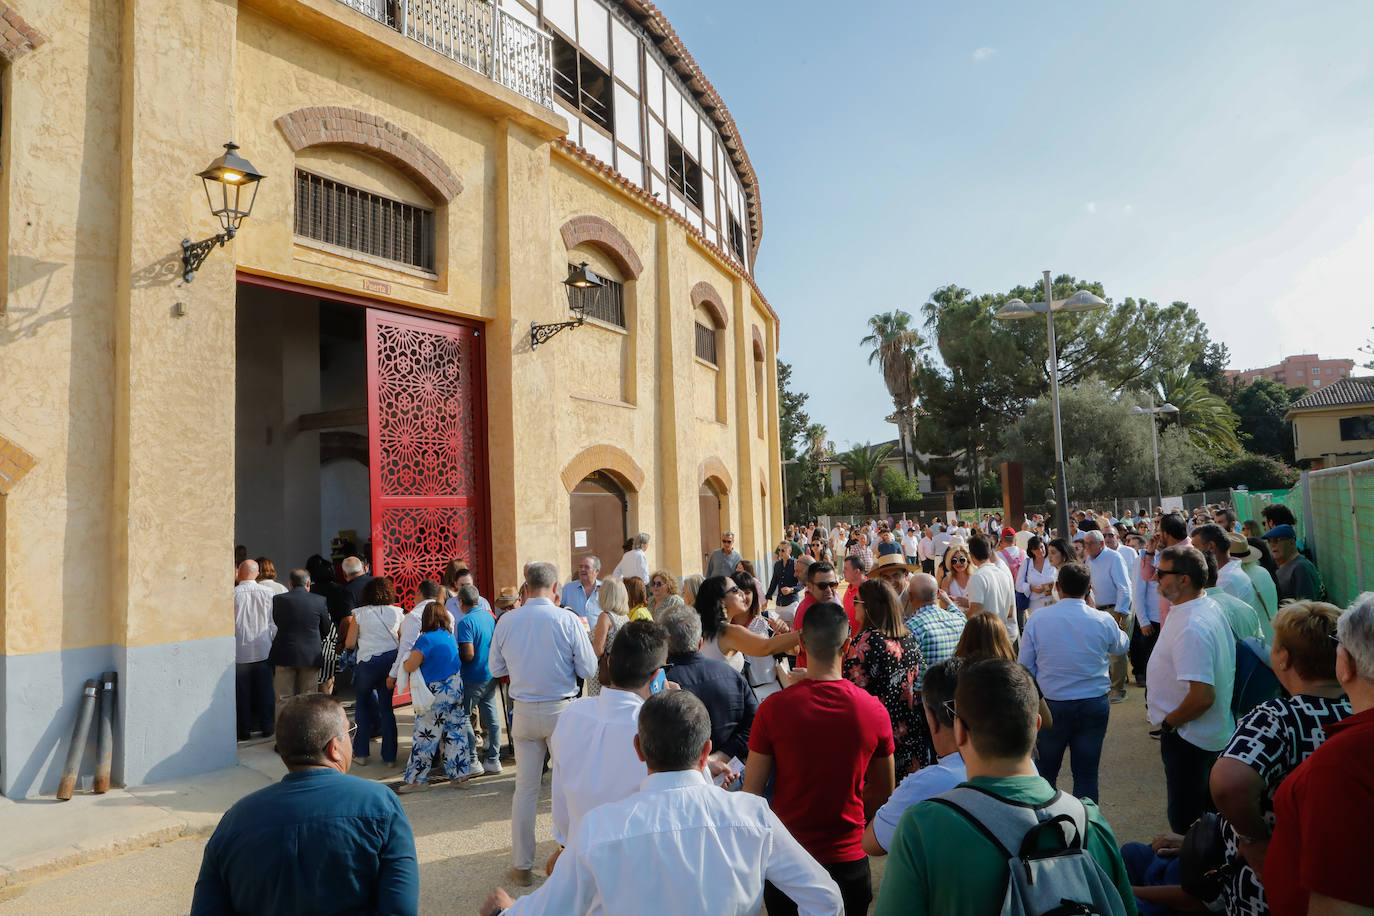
(579, 277)
(231, 186)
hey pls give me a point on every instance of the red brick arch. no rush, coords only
(17, 37)
(330, 125)
(603, 235)
(704, 295)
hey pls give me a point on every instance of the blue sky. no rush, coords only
(1220, 153)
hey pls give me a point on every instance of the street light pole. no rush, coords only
(1061, 508)
(1166, 407)
(1015, 310)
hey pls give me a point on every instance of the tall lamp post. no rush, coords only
(1016, 310)
(1150, 411)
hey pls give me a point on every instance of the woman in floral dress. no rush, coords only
(436, 658)
(884, 659)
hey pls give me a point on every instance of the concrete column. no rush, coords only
(746, 477)
(529, 507)
(675, 396)
(174, 399)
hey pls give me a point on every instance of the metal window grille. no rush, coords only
(706, 343)
(604, 303)
(337, 214)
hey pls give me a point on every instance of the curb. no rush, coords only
(14, 880)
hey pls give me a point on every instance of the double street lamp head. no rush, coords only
(1166, 407)
(1081, 301)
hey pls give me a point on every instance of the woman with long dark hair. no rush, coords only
(718, 600)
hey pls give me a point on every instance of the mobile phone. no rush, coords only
(659, 682)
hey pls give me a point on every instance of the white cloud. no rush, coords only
(1090, 207)
(984, 53)
(1128, 210)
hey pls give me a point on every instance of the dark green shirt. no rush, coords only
(941, 864)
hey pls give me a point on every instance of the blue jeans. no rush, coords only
(373, 705)
(483, 696)
(1079, 727)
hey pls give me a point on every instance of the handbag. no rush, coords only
(1203, 871)
(421, 697)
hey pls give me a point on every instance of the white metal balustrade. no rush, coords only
(476, 34)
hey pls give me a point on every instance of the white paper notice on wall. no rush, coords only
(580, 538)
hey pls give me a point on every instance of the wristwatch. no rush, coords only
(1166, 729)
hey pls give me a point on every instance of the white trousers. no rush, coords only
(531, 726)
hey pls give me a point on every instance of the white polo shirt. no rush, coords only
(1195, 644)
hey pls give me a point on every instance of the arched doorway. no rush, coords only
(599, 513)
(712, 501)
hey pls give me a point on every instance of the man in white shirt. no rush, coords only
(941, 539)
(911, 546)
(544, 649)
(255, 699)
(991, 588)
(1231, 578)
(1111, 593)
(636, 561)
(1266, 590)
(679, 846)
(930, 781)
(925, 551)
(1192, 676)
(594, 759)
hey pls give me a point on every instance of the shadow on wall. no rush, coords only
(208, 738)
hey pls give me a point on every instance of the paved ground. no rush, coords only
(463, 837)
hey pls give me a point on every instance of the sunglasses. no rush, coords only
(827, 586)
(1169, 572)
(732, 590)
(949, 709)
(657, 583)
(958, 560)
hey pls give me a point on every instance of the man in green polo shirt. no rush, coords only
(939, 861)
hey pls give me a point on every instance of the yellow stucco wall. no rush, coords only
(123, 530)
(1317, 435)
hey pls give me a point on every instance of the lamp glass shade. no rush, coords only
(231, 187)
(1166, 407)
(1082, 301)
(1014, 310)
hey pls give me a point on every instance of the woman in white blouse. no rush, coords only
(1037, 576)
(267, 575)
(374, 629)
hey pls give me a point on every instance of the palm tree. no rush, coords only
(864, 462)
(1206, 419)
(896, 345)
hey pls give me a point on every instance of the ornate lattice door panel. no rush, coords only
(425, 441)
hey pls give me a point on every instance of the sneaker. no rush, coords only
(1117, 696)
(491, 769)
(406, 788)
(1156, 732)
(361, 761)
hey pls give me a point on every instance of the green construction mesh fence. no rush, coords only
(1343, 529)
(1250, 503)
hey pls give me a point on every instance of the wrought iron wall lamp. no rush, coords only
(231, 186)
(579, 277)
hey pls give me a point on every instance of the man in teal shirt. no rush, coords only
(319, 840)
(939, 861)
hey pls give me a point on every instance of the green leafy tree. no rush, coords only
(1107, 449)
(792, 416)
(1202, 415)
(865, 462)
(1210, 369)
(1258, 472)
(803, 447)
(1260, 407)
(895, 345)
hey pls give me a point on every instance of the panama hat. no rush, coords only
(891, 561)
(1242, 549)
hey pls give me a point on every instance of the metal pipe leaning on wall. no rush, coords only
(106, 742)
(83, 728)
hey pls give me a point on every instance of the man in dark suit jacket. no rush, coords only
(303, 622)
(356, 578)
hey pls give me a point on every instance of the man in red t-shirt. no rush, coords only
(828, 745)
(1318, 858)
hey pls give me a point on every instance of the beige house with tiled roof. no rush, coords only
(1334, 425)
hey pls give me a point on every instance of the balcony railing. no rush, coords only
(476, 34)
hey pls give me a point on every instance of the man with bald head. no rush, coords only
(937, 622)
(253, 631)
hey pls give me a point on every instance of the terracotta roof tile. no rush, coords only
(1340, 393)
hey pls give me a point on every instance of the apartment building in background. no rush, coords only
(1306, 370)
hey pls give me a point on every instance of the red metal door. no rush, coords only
(426, 442)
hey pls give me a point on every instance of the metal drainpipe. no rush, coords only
(83, 729)
(106, 741)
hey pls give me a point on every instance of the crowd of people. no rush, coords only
(717, 746)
